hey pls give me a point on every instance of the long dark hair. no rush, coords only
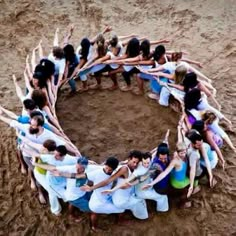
(85, 45)
(192, 99)
(69, 52)
(133, 48)
(145, 48)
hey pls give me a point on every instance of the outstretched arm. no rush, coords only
(68, 35)
(19, 92)
(9, 113)
(162, 175)
(120, 172)
(56, 40)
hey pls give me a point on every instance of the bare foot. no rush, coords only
(113, 87)
(95, 86)
(77, 219)
(125, 88)
(137, 92)
(187, 204)
(33, 185)
(42, 199)
(196, 189)
(23, 170)
(153, 96)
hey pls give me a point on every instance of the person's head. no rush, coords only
(85, 45)
(176, 56)
(133, 48)
(39, 79)
(162, 152)
(200, 126)
(69, 52)
(29, 104)
(159, 52)
(195, 138)
(58, 52)
(192, 99)
(209, 117)
(110, 165)
(81, 165)
(181, 149)
(146, 160)
(36, 122)
(60, 152)
(145, 48)
(114, 40)
(101, 48)
(48, 67)
(49, 146)
(190, 81)
(39, 98)
(134, 158)
(180, 73)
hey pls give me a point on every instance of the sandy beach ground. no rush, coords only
(103, 123)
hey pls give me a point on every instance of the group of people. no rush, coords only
(56, 166)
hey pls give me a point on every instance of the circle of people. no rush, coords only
(56, 166)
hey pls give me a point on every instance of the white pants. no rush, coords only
(204, 105)
(105, 206)
(128, 201)
(151, 194)
(55, 206)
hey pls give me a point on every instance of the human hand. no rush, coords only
(146, 186)
(86, 188)
(165, 40)
(108, 191)
(56, 173)
(14, 78)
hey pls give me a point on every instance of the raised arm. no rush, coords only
(9, 113)
(19, 92)
(159, 41)
(68, 35)
(56, 40)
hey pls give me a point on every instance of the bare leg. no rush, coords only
(42, 199)
(114, 80)
(71, 209)
(21, 162)
(167, 137)
(93, 222)
(140, 83)
(32, 180)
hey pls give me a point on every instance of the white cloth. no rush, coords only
(40, 139)
(60, 64)
(171, 66)
(125, 199)
(151, 194)
(101, 203)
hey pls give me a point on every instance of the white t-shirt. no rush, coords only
(73, 190)
(140, 170)
(96, 177)
(40, 139)
(60, 64)
(171, 66)
(68, 160)
(194, 159)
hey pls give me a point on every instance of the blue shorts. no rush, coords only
(83, 202)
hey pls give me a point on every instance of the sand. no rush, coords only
(104, 123)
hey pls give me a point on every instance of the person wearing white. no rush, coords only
(125, 198)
